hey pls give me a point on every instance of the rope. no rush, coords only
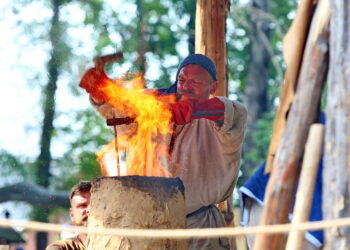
(179, 233)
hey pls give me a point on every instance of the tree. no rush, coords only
(256, 87)
(43, 162)
(35, 195)
(256, 69)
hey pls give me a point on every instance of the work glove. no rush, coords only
(184, 111)
(92, 81)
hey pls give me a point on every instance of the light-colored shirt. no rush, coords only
(67, 244)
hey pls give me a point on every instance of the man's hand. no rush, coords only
(184, 111)
(92, 81)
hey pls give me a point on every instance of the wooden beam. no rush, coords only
(306, 186)
(210, 40)
(211, 37)
(304, 111)
(293, 48)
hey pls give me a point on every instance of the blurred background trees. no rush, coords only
(154, 36)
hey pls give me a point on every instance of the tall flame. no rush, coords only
(144, 140)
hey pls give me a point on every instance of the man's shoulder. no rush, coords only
(227, 99)
(66, 244)
(236, 104)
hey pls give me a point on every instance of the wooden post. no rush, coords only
(136, 202)
(210, 40)
(301, 212)
(336, 175)
(211, 37)
(293, 48)
(304, 111)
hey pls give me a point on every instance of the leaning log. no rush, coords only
(136, 202)
(293, 48)
(306, 186)
(336, 176)
(304, 111)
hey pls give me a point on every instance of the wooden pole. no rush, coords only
(306, 186)
(336, 173)
(304, 111)
(210, 40)
(293, 48)
(211, 37)
(138, 202)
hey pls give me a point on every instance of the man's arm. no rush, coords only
(67, 244)
(56, 246)
(184, 111)
(92, 82)
(235, 122)
(53, 247)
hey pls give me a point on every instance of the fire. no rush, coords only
(107, 158)
(144, 140)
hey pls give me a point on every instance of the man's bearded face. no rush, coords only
(194, 82)
(79, 211)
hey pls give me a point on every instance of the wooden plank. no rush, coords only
(306, 186)
(304, 111)
(241, 243)
(293, 48)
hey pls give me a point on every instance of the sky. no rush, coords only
(16, 105)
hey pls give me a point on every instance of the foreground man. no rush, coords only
(206, 144)
(80, 200)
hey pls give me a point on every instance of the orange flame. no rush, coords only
(144, 141)
(107, 158)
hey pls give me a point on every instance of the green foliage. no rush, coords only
(14, 166)
(324, 97)
(261, 139)
(239, 32)
(237, 46)
(79, 161)
(280, 17)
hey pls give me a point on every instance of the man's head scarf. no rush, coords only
(197, 59)
(200, 60)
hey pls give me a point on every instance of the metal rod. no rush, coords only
(116, 147)
(100, 62)
(120, 121)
